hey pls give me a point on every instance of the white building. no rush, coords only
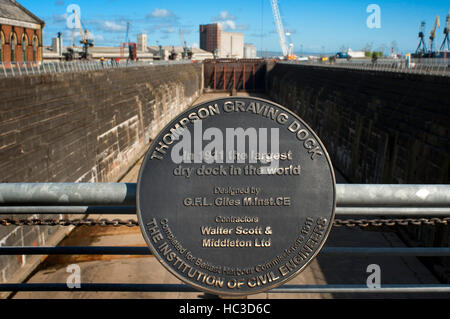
(57, 45)
(356, 54)
(231, 45)
(142, 42)
(250, 51)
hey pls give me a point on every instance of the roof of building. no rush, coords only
(11, 9)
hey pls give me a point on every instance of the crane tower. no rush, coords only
(130, 46)
(446, 32)
(279, 25)
(421, 49)
(85, 41)
(437, 23)
(288, 52)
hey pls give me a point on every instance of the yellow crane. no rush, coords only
(85, 40)
(437, 23)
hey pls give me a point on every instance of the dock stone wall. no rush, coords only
(379, 128)
(82, 127)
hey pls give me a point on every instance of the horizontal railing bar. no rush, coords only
(184, 288)
(105, 194)
(57, 210)
(76, 250)
(99, 287)
(131, 210)
(383, 66)
(387, 251)
(362, 289)
(393, 211)
(362, 195)
(145, 251)
(73, 194)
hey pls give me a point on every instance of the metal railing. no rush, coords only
(426, 201)
(16, 69)
(439, 67)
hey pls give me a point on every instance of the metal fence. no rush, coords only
(432, 66)
(8, 69)
(423, 204)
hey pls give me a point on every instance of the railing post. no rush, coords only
(224, 80)
(254, 75)
(4, 70)
(215, 73)
(243, 77)
(234, 77)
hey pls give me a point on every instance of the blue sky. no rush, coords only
(316, 25)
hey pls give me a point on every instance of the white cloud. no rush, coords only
(113, 26)
(57, 18)
(224, 15)
(168, 30)
(228, 22)
(161, 13)
(96, 37)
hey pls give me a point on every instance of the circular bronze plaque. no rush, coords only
(236, 196)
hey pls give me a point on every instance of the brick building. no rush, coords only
(210, 37)
(222, 44)
(20, 33)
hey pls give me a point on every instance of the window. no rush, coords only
(24, 47)
(13, 42)
(2, 43)
(35, 48)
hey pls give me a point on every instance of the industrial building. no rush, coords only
(54, 53)
(145, 52)
(210, 37)
(20, 33)
(250, 51)
(164, 52)
(221, 44)
(231, 45)
(142, 42)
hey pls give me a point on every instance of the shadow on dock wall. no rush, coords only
(379, 128)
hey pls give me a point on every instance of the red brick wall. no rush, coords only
(7, 29)
(210, 37)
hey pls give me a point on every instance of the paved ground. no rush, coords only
(323, 270)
